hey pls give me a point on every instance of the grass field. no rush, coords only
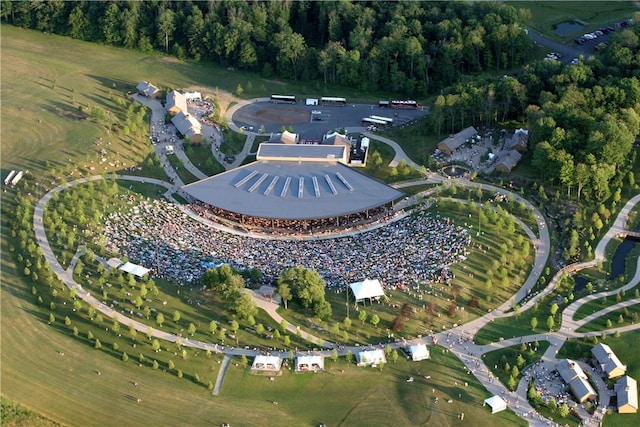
(623, 317)
(545, 15)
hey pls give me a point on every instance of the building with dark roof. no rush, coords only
(626, 389)
(576, 379)
(147, 89)
(188, 126)
(507, 161)
(453, 142)
(175, 103)
(608, 361)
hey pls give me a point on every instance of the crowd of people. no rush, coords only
(291, 227)
(162, 237)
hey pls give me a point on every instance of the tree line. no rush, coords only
(583, 119)
(405, 47)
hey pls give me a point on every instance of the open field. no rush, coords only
(546, 14)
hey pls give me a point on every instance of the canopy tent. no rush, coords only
(497, 404)
(309, 363)
(419, 352)
(366, 289)
(135, 269)
(371, 357)
(266, 363)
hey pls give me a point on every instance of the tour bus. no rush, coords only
(330, 100)
(287, 99)
(368, 121)
(404, 104)
(388, 120)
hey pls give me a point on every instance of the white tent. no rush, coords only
(371, 357)
(366, 289)
(266, 363)
(419, 352)
(310, 362)
(496, 402)
(135, 269)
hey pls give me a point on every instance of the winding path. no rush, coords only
(458, 340)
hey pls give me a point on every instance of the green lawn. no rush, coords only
(355, 394)
(601, 303)
(202, 158)
(546, 14)
(186, 176)
(623, 317)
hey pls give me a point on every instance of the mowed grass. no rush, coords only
(370, 396)
(546, 14)
(629, 315)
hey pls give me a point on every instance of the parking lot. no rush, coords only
(313, 121)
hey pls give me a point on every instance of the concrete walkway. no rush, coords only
(221, 373)
(458, 340)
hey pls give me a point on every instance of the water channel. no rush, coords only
(618, 262)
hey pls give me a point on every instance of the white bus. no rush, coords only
(287, 99)
(330, 100)
(389, 120)
(404, 104)
(368, 121)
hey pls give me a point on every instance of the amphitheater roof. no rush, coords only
(292, 190)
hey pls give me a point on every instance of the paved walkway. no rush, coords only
(458, 340)
(221, 373)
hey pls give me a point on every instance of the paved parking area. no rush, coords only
(299, 116)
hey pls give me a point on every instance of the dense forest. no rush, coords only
(406, 47)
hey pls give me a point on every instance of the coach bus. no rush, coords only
(330, 100)
(387, 120)
(404, 104)
(288, 99)
(380, 124)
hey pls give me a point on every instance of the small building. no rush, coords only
(309, 362)
(265, 363)
(303, 153)
(366, 289)
(496, 403)
(626, 389)
(419, 352)
(371, 358)
(608, 361)
(145, 88)
(507, 161)
(175, 103)
(188, 126)
(285, 138)
(519, 141)
(114, 262)
(577, 380)
(453, 142)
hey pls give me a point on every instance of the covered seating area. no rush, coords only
(496, 403)
(266, 363)
(366, 289)
(309, 362)
(419, 352)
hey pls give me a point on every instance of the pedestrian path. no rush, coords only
(458, 340)
(221, 373)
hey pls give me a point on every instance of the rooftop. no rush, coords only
(292, 190)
